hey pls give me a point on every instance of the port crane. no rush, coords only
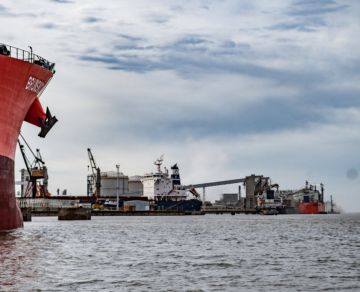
(93, 179)
(36, 171)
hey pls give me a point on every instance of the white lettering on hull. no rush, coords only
(34, 85)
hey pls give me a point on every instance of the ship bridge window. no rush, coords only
(270, 194)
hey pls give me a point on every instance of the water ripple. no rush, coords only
(199, 253)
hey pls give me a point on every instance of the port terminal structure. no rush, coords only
(250, 183)
(49, 206)
(212, 184)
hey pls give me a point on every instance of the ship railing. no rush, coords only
(27, 56)
(44, 203)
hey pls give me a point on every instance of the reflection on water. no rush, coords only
(10, 264)
(189, 253)
(17, 253)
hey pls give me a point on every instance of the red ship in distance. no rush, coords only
(23, 78)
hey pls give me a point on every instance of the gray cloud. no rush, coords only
(300, 26)
(129, 37)
(193, 56)
(92, 19)
(4, 11)
(48, 25)
(177, 8)
(315, 8)
(191, 40)
(62, 1)
(8, 12)
(308, 16)
(271, 115)
(125, 63)
(157, 18)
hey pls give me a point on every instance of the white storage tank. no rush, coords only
(135, 186)
(109, 184)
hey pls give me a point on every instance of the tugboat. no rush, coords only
(23, 78)
(165, 191)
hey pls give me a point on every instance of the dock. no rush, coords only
(54, 212)
(233, 211)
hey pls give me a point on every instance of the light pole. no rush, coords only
(117, 186)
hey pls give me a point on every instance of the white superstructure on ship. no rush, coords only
(162, 186)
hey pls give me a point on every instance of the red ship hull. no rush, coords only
(21, 83)
(311, 208)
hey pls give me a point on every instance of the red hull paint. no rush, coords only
(20, 84)
(35, 112)
(311, 208)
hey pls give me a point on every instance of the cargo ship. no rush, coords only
(23, 78)
(166, 191)
(308, 200)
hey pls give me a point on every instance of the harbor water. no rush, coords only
(184, 253)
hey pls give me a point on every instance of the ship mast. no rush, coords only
(158, 162)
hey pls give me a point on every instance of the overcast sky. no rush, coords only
(224, 88)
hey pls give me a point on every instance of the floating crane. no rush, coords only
(95, 178)
(36, 170)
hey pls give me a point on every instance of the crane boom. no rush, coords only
(36, 170)
(96, 177)
(26, 161)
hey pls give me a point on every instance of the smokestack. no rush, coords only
(322, 192)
